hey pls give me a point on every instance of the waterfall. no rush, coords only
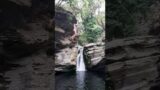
(80, 65)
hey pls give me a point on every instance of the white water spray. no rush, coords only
(80, 65)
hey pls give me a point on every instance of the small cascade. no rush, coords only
(80, 65)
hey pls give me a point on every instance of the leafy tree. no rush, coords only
(90, 23)
(91, 30)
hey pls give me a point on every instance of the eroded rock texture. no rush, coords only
(65, 50)
(26, 49)
(94, 54)
(133, 63)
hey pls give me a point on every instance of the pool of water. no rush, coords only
(79, 81)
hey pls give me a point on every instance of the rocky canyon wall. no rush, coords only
(133, 63)
(26, 49)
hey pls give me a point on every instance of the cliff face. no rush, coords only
(63, 28)
(65, 54)
(130, 63)
(23, 28)
(133, 63)
(150, 23)
(26, 54)
(94, 54)
(27, 40)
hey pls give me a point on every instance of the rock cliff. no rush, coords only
(65, 51)
(26, 53)
(133, 63)
(94, 54)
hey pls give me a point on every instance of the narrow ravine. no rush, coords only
(74, 68)
(81, 78)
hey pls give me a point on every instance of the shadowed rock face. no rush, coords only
(26, 54)
(133, 63)
(23, 27)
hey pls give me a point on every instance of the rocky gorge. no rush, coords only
(65, 50)
(93, 54)
(31, 52)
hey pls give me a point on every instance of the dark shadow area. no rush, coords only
(132, 44)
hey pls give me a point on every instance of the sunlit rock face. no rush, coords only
(94, 53)
(65, 60)
(64, 21)
(133, 63)
(65, 50)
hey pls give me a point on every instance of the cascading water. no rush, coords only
(80, 65)
(80, 68)
(82, 80)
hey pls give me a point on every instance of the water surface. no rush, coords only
(79, 81)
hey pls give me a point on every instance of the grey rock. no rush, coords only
(132, 63)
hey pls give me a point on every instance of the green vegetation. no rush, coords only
(90, 16)
(121, 17)
(91, 30)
